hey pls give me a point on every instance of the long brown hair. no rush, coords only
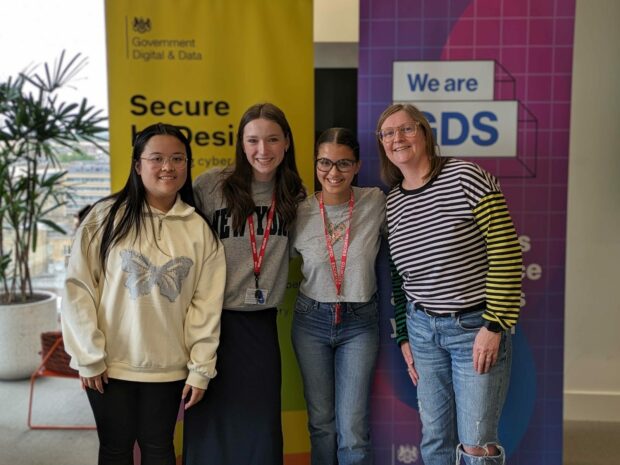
(236, 188)
(390, 174)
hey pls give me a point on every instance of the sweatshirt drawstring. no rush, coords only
(161, 223)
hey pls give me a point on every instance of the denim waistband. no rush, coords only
(345, 304)
(419, 307)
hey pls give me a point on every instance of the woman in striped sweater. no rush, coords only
(457, 285)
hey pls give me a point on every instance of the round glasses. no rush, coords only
(177, 161)
(407, 130)
(343, 165)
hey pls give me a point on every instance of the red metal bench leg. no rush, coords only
(42, 372)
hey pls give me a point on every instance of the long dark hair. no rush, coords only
(236, 187)
(390, 174)
(133, 196)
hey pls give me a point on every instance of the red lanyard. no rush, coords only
(338, 277)
(258, 257)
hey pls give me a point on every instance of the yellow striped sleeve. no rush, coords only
(503, 283)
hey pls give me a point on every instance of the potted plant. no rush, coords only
(35, 125)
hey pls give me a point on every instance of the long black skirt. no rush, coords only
(238, 422)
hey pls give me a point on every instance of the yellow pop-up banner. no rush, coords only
(200, 64)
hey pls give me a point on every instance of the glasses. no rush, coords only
(407, 130)
(177, 161)
(344, 165)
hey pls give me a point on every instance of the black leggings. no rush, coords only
(130, 411)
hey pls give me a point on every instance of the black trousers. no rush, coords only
(129, 411)
(238, 422)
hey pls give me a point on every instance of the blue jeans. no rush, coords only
(337, 364)
(457, 405)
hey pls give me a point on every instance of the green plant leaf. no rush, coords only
(36, 129)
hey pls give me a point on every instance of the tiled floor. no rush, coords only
(591, 443)
(585, 443)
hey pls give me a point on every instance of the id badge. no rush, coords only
(256, 296)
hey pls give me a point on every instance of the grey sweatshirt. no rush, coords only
(239, 261)
(308, 240)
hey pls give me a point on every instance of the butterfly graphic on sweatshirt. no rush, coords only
(142, 275)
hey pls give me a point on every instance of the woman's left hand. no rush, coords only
(196, 395)
(486, 348)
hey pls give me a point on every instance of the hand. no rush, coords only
(196, 395)
(486, 348)
(405, 348)
(95, 382)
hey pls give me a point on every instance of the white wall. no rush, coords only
(336, 20)
(336, 33)
(592, 335)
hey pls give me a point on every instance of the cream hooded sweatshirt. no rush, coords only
(155, 314)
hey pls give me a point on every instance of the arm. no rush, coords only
(82, 337)
(503, 253)
(503, 286)
(399, 301)
(400, 316)
(202, 322)
(292, 234)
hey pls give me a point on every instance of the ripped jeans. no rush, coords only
(457, 405)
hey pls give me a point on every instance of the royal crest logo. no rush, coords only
(407, 453)
(142, 25)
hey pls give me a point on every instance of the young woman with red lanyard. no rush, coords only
(250, 205)
(335, 327)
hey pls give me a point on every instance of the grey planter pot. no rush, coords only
(21, 326)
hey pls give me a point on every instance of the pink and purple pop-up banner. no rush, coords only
(511, 117)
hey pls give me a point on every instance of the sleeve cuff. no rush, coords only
(88, 371)
(197, 380)
(493, 326)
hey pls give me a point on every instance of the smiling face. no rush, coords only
(264, 145)
(336, 184)
(404, 149)
(162, 181)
